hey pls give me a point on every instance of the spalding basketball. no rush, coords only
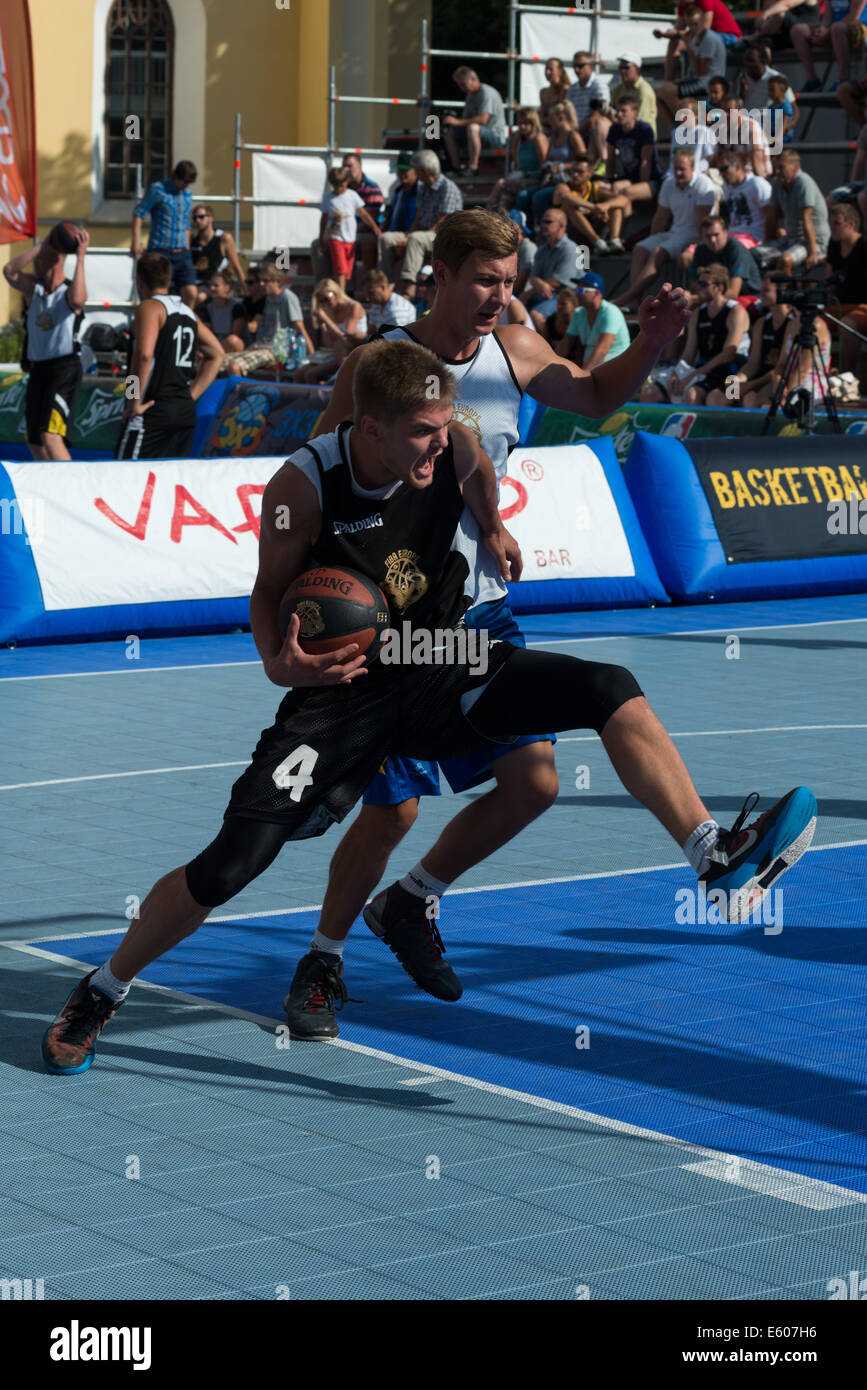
(336, 607)
(62, 237)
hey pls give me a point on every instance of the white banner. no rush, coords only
(301, 176)
(555, 36)
(557, 504)
(143, 532)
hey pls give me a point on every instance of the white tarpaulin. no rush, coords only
(555, 36)
(557, 504)
(110, 279)
(301, 176)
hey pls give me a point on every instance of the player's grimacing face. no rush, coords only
(413, 442)
(481, 290)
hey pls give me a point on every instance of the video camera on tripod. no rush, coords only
(806, 294)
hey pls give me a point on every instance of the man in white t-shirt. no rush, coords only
(746, 196)
(386, 309)
(683, 201)
(338, 226)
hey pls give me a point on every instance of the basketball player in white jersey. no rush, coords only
(159, 419)
(475, 264)
(55, 307)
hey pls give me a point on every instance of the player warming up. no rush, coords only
(402, 464)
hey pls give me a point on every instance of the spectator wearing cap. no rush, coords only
(526, 251)
(597, 330)
(589, 96)
(706, 58)
(438, 196)
(426, 290)
(402, 198)
(555, 264)
(386, 308)
(632, 84)
(482, 124)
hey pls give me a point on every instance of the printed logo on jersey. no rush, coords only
(404, 581)
(341, 527)
(465, 415)
(44, 321)
(310, 618)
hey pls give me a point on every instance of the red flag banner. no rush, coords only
(17, 124)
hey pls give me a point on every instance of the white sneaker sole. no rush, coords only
(743, 901)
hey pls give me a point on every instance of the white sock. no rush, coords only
(421, 884)
(109, 984)
(324, 943)
(700, 844)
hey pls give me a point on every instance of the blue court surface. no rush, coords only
(631, 1100)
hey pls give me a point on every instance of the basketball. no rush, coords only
(62, 237)
(336, 607)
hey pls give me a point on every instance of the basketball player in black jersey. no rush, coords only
(405, 468)
(159, 420)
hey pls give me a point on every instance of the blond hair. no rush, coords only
(395, 377)
(461, 233)
(565, 109)
(531, 115)
(323, 286)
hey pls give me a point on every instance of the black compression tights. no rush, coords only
(544, 690)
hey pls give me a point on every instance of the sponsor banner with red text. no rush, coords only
(17, 125)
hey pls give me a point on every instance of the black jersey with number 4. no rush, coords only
(402, 540)
(168, 385)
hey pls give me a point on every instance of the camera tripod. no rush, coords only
(806, 338)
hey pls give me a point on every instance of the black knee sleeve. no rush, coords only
(241, 852)
(544, 690)
(605, 688)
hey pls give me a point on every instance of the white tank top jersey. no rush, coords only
(487, 403)
(51, 324)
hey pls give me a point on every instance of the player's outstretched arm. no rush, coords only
(289, 524)
(340, 406)
(478, 483)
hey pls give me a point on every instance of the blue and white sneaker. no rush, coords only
(746, 862)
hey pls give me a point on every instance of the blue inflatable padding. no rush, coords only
(530, 415)
(643, 588)
(207, 406)
(20, 590)
(676, 518)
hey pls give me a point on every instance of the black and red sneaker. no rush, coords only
(309, 1005)
(69, 1044)
(401, 920)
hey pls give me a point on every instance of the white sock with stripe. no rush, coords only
(700, 844)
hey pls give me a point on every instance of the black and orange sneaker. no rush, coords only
(401, 920)
(309, 1005)
(69, 1044)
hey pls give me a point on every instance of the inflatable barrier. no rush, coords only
(126, 548)
(765, 518)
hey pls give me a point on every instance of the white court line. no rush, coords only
(425, 1072)
(548, 642)
(561, 738)
(453, 892)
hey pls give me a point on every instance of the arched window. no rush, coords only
(138, 83)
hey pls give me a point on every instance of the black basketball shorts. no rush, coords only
(51, 391)
(142, 438)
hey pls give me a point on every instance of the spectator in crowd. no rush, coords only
(718, 248)
(784, 113)
(750, 140)
(373, 198)
(555, 264)
(53, 316)
(169, 203)
(633, 166)
(632, 84)
(746, 197)
(387, 308)
(588, 205)
(438, 196)
(554, 328)
(683, 201)
(526, 252)
(847, 271)
(597, 330)
(426, 291)
(779, 17)
(715, 16)
(212, 249)
(717, 344)
(566, 145)
(690, 133)
(556, 91)
(252, 304)
(841, 28)
(851, 96)
(529, 151)
(803, 373)
(797, 226)
(338, 225)
(856, 190)
(281, 311)
(481, 126)
(717, 89)
(706, 58)
(340, 324)
(589, 97)
(399, 215)
(222, 313)
(755, 78)
(517, 312)
(759, 375)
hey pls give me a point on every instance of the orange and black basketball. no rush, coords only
(336, 607)
(62, 237)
